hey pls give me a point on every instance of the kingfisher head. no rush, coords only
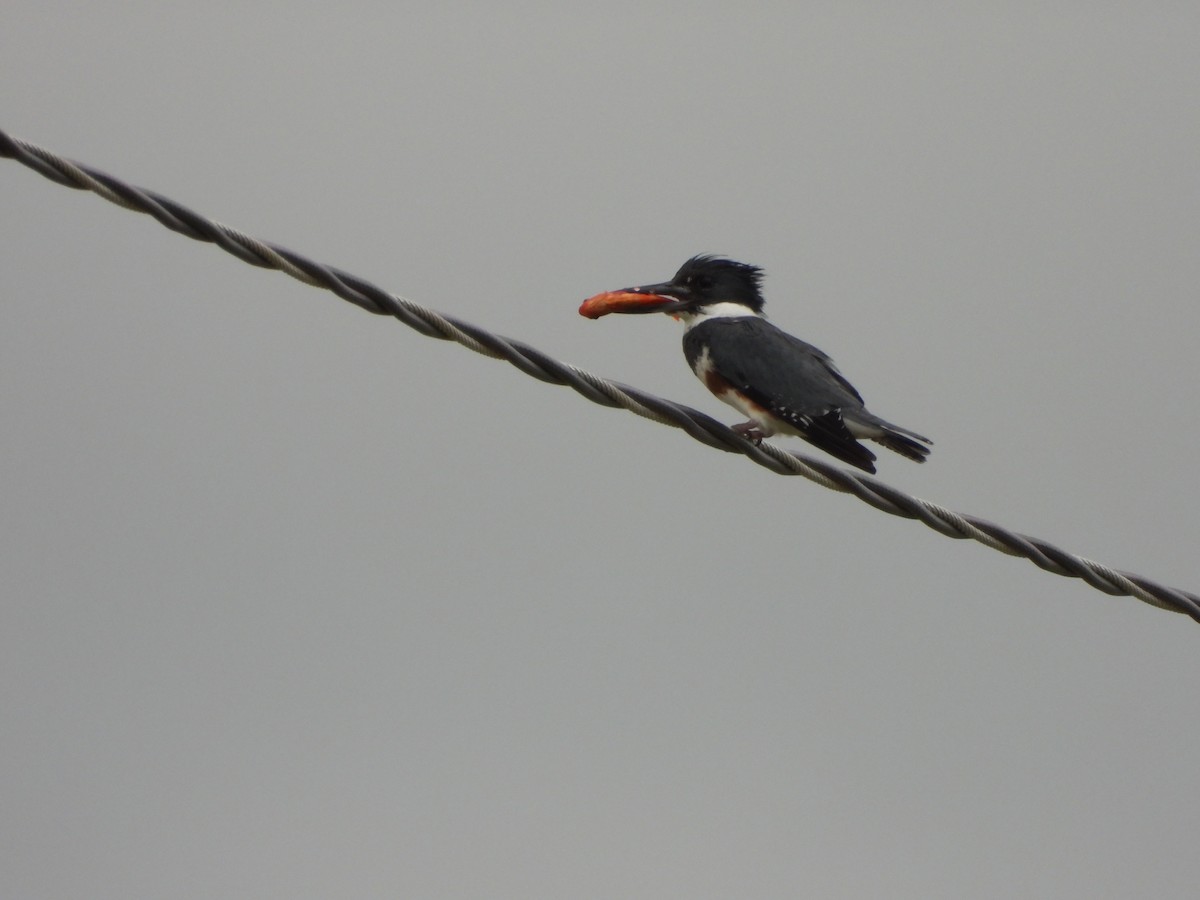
(702, 281)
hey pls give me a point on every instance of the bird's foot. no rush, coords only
(749, 431)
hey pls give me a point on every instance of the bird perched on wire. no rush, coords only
(785, 386)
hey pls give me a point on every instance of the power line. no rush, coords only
(538, 365)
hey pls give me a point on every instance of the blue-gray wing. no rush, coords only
(790, 378)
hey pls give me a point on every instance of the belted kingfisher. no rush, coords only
(783, 384)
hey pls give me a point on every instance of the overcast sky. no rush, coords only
(300, 604)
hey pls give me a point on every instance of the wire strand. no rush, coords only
(537, 364)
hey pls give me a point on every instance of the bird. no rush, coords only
(783, 384)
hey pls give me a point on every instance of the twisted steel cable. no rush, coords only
(599, 390)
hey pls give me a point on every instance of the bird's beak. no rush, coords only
(650, 298)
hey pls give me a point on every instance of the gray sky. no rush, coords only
(301, 604)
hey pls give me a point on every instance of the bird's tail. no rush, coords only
(907, 443)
